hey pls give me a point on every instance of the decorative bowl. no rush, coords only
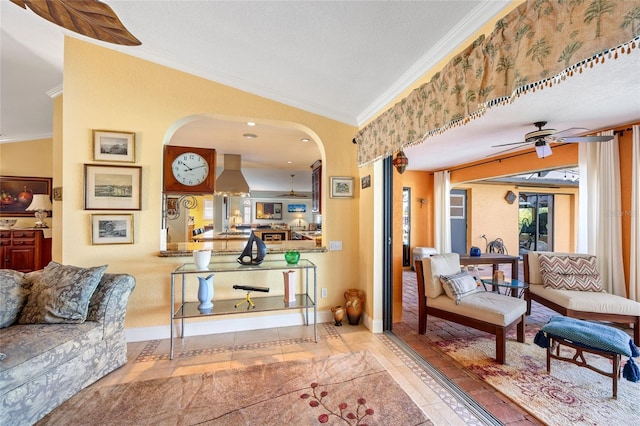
(292, 257)
(7, 223)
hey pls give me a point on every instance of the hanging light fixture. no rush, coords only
(400, 162)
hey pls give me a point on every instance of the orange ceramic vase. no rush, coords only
(354, 303)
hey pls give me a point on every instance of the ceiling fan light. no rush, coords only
(543, 150)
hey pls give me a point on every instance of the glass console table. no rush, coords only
(304, 300)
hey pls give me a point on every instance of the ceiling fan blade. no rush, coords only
(505, 150)
(507, 144)
(90, 18)
(586, 139)
(569, 132)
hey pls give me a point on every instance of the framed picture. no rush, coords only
(112, 187)
(114, 146)
(268, 210)
(341, 187)
(366, 181)
(297, 208)
(16, 193)
(111, 229)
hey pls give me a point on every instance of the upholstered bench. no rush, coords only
(486, 311)
(588, 337)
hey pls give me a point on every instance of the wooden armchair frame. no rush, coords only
(498, 330)
(594, 316)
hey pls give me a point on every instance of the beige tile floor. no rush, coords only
(197, 354)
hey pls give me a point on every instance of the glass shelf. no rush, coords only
(185, 310)
(267, 265)
(225, 307)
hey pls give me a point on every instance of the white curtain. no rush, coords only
(600, 224)
(442, 216)
(634, 249)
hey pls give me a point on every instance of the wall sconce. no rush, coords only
(40, 204)
(400, 162)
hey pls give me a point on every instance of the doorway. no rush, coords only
(458, 212)
(535, 221)
(406, 226)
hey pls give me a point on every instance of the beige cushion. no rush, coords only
(585, 301)
(570, 272)
(484, 306)
(434, 267)
(534, 264)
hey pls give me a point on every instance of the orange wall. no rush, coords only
(563, 155)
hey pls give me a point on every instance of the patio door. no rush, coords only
(535, 221)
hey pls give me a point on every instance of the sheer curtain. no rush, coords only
(634, 263)
(600, 224)
(442, 188)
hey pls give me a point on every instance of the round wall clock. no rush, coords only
(189, 170)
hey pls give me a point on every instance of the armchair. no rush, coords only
(482, 310)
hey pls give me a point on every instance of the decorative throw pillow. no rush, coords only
(61, 294)
(13, 296)
(458, 285)
(566, 272)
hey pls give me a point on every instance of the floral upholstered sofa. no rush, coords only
(61, 329)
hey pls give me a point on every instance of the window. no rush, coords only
(207, 211)
(457, 206)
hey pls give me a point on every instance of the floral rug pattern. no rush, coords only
(568, 395)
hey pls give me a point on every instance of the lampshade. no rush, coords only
(542, 149)
(400, 162)
(40, 204)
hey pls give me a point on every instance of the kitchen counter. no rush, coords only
(222, 236)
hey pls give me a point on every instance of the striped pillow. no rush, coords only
(566, 272)
(458, 286)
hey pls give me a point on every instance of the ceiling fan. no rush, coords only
(541, 138)
(90, 18)
(292, 193)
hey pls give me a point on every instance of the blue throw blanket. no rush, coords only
(592, 336)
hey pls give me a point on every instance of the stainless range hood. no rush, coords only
(231, 182)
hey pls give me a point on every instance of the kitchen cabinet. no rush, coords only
(316, 187)
(24, 250)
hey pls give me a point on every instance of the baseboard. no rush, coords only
(227, 324)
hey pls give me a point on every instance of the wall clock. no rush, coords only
(189, 170)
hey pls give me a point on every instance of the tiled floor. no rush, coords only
(437, 398)
(149, 359)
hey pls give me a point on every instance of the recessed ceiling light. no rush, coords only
(251, 123)
(250, 135)
(305, 139)
(289, 162)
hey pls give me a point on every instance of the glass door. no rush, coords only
(535, 222)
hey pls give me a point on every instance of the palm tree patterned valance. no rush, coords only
(538, 44)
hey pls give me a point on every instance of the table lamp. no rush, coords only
(40, 204)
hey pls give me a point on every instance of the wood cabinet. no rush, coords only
(24, 250)
(316, 187)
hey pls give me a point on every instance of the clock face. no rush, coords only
(190, 169)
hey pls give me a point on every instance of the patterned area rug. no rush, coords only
(347, 389)
(569, 395)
